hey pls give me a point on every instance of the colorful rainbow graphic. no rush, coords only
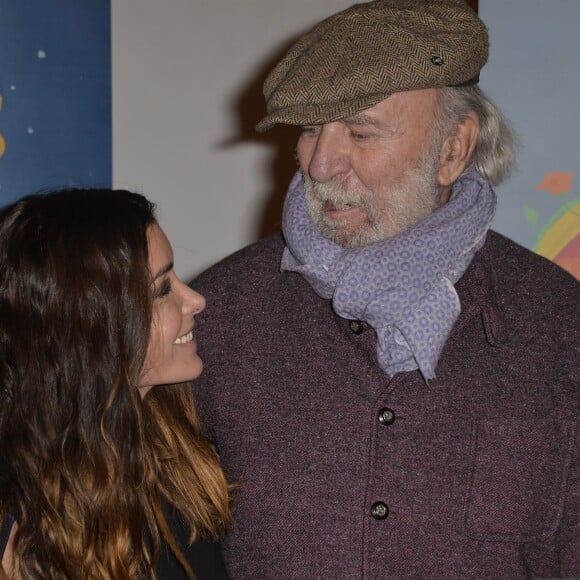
(559, 239)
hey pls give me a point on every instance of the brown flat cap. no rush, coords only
(358, 57)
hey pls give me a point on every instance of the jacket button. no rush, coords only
(356, 326)
(386, 416)
(379, 510)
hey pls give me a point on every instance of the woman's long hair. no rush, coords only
(87, 466)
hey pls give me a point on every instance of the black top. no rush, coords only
(204, 556)
(5, 533)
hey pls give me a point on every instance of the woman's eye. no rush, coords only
(164, 288)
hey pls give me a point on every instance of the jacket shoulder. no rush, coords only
(523, 275)
(243, 269)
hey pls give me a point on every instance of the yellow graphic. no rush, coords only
(559, 239)
(2, 142)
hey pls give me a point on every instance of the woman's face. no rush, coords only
(172, 351)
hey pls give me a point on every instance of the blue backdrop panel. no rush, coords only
(533, 74)
(55, 95)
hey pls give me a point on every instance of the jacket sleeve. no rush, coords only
(569, 533)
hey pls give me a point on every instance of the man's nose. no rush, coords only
(331, 154)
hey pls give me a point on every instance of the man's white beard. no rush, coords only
(414, 198)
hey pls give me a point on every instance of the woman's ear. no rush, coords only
(457, 150)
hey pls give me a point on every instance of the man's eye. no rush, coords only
(310, 130)
(359, 136)
(164, 288)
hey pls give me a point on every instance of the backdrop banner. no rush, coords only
(55, 96)
(533, 76)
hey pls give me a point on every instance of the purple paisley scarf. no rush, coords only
(402, 286)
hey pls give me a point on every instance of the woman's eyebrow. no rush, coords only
(164, 270)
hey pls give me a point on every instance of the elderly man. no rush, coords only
(392, 385)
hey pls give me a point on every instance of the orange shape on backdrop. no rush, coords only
(571, 265)
(556, 183)
(569, 257)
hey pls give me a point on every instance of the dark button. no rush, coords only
(356, 326)
(379, 510)
(386, 416)
(437, 60)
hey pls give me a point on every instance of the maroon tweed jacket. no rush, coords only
(345, 474)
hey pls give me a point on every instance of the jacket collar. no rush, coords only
(477, 291)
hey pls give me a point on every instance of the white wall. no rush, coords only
(187, 82)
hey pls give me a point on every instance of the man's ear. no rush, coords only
(457, 150)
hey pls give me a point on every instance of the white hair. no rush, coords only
(494, 154)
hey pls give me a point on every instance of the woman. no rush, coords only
(105, 472)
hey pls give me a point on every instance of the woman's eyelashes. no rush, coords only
(164, 288)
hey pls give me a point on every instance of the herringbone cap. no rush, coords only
(358, 57)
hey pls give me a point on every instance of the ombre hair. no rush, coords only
(88, 467)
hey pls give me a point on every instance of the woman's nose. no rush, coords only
(194, 302)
